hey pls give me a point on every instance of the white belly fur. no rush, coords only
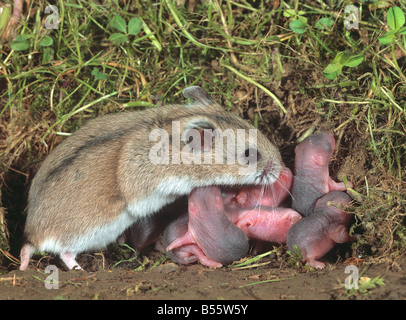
(97, 238)
(101, 236)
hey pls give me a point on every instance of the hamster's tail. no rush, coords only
(26, 251)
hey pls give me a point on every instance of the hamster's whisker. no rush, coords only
(258, 204)
(261, 195)
(272, 187)
(285, 188)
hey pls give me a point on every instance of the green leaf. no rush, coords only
(303, 19)
(119, 23)
(324, 23)
(396, 18)
(46, 41)
(134, 26)
(19, 45)
(388, 37)
(289, 13)
(98, 74)
(402, 30)
(118, 38)
(48, 55)
(338, 59)
(380, 4)
(353, 61)
(333, 70)
(297, 26)
(23, 37)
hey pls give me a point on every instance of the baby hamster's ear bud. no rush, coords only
(198, 135)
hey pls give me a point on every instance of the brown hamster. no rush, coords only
(119, 168)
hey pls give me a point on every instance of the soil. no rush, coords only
(274, 279)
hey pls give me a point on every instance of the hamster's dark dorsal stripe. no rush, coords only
(91, 143)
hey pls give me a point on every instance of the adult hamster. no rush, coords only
(119, 168)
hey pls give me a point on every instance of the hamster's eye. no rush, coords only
(326, 146)
(252, 156)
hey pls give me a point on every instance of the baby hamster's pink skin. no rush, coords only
(265, 224)
(210, 229)
(261, 195)
(311, 179)
(256, 210)
(247, 209)
(187, 253)
(317, 234)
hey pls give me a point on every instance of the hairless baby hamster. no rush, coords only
(258, 212)
(120, 168)
(260, 195)
(209, 234)
(225, 242)
(187, 253)
(236, 199)
(317, 234)
(311, 178)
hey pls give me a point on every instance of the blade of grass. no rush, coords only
(390, 99)
(256, 84)
(175, 15)
(132, 104)
(151, 35)
(128, 260)
(72, 113)
(254, 259)
(264, 281)
(371, 133)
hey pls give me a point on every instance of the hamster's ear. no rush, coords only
(201, 97)
(198, 135)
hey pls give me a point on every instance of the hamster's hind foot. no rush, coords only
(69, 259)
